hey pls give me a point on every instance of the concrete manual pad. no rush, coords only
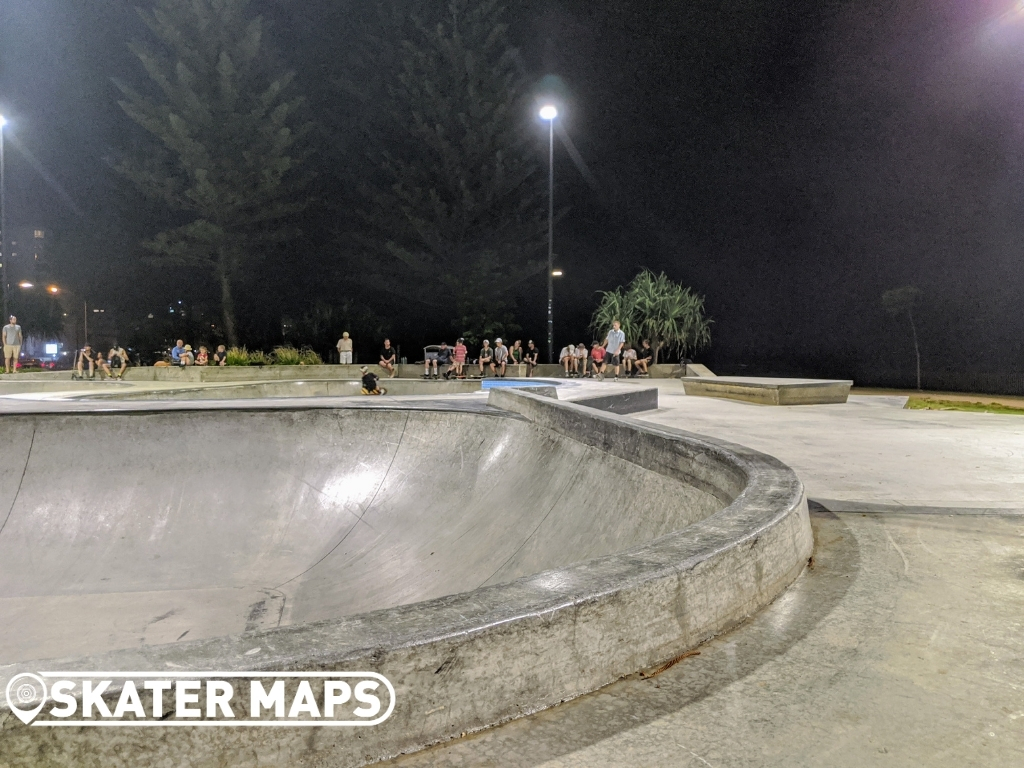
(769, 391)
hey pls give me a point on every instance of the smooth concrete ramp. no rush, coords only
(129, 529)
(489, 559)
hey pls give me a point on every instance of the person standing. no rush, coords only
(345, 349)
(459, 358)
(388, 359)
(613, 346)
(12, 344)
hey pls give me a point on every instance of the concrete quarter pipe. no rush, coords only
(534, 551)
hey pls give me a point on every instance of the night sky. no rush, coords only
(789, 160)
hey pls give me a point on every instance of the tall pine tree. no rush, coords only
(454, 209)
(227, 154)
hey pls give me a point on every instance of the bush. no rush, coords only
(309, 357)
(259, 357)
(287, 355)
(237, 356)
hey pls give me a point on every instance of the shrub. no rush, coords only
(259, 357)
(237, 356)
(309, 357)
(287, 355)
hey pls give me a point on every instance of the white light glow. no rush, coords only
(548, 112)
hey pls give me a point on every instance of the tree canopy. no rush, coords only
(226, 148)
(654, 307)
(453, 207)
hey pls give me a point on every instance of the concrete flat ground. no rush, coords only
(903, 645)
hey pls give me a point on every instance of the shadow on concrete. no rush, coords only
(634, 700)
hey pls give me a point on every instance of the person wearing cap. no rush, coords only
(499, 358)
(345, 349)
(581, 357)
(530, 358)
(12, 344)
(567, 357)
(443, 358)
(486, 356)
(186, 357)
(370, 382)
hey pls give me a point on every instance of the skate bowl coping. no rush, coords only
(535, 588)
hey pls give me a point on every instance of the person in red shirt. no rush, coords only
(597, 355)
(458, 360)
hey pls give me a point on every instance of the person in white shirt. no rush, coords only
(581, 360)
(567, 358)
(345, 349)
(613, 346)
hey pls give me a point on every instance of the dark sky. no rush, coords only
(790, 160)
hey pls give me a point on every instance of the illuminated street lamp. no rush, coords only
(549, 112)
(3, 224)
(25, 284)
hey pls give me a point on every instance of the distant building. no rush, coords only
(28, 256)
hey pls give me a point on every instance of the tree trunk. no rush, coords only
(227, 305)
(917, 352)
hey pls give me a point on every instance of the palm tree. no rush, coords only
(900, 301)
(654, 307)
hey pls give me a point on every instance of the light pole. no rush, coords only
(549, 112)
(3, 225)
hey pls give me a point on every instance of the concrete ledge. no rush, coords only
(623, 402)
(767, 391)
(468, 661)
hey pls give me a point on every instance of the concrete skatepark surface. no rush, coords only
(217, 533)
(901, 646)
(290, 519)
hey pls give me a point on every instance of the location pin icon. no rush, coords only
(22, 690)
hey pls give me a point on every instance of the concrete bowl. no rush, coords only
(489, 560)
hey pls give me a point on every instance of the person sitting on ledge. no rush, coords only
(203, 358)
(530, 358)
(220, 357)
(443, 358)
(644, 358)
(388, 359)
(486, 356)
(176, 351)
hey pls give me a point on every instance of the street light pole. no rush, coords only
(3, 226)
(549, 113)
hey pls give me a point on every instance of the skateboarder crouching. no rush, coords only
(370, 383)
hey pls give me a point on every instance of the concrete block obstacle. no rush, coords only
(769, 391)
(275, 536)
